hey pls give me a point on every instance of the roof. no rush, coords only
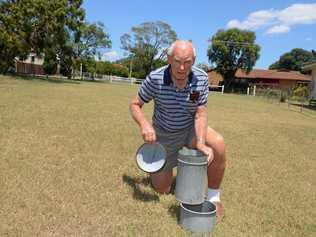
(273, 74)
(214, 78)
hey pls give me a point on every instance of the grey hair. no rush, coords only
(171, 48)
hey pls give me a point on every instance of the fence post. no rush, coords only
(223, 89)
(254, 90)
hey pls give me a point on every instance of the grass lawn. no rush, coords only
(67, 165)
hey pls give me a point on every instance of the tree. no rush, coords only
(14, 42)
(147, 45)
(231, 50)
(205, 67)
(37, 25)
(93, 38)
(294, 60)
(50, 61)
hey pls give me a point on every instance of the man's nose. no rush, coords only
(182, 67)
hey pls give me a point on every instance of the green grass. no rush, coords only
(67, 165)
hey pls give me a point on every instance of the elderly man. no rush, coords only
(180, 91)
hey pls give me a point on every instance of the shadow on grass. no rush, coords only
(44, 78)
(305, 106)
(174, 211)
(140, 194)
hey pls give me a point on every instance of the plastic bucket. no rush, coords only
(198, 218)
(191, 181)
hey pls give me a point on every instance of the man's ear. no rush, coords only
(169, 59)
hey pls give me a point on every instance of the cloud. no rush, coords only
(308, 39)
(111, 56)
(277, 21)
(278, 29)
(254, 20)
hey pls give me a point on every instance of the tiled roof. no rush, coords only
(273, 74)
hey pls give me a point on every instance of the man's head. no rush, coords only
(181, 57)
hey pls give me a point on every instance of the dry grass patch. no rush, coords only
(67, 165)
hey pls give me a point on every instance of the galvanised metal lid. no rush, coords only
(151, 157)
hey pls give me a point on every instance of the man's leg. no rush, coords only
(161, 181)
(215, 171)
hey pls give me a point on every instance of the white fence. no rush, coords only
(107, 78)
(216, 87)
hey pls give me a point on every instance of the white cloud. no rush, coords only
(277, 21)
(308, 39)
(111, 56)
(278, 29)
(298, 14)
(254, 20)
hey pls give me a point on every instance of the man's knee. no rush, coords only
(162, 189)
(161, 181)
(220, 145)
(216, 141)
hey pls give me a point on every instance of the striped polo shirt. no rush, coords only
(174, 109)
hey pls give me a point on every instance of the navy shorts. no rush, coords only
(173, 142)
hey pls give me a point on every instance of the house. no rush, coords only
(33, 64)
(312, 67)
(275, 78)
(263, 78)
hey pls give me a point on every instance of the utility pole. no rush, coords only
(80, 71)
(130, 67)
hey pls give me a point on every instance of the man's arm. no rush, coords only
(200, 123)
(147, 130)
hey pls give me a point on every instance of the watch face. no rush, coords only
(151, 157)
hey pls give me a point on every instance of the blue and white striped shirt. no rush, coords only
(174, 109)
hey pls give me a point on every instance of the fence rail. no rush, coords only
(210, 87)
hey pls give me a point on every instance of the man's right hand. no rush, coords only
(148, 133)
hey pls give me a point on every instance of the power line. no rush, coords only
(231, 42)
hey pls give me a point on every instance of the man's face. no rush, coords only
(181, 62)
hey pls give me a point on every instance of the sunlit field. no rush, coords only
(67, 165)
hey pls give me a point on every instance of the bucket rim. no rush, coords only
(199, 213)
(192, 163)
(147, 169)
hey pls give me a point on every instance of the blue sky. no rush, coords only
(280, 25)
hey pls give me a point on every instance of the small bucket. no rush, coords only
(191, 181)
(198, 218)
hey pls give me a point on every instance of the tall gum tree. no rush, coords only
(230, 50)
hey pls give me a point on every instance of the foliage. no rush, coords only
(37, 25)
(50, 62)
(294, 60)
(233, 49)
(300, 93)
(13, 41)
(108, 68)
(147, 45)
(93, 38)
(101, 67)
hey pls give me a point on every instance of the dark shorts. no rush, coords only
(173, 142)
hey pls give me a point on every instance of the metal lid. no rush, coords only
(151, 157)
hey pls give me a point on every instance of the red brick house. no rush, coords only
(264, 78)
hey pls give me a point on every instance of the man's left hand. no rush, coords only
(207, 151)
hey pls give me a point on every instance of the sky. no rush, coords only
(280, 25)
